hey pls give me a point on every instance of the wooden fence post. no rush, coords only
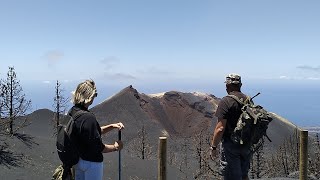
(303, 155)
(162, 173)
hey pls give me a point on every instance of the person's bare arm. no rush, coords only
(217, 136)
(112, 147)
(218, 132)
(107, 128)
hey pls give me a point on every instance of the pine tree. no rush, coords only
(14, 102)
(141, 146)
(60, 104)
(145, 148)
(2, 121)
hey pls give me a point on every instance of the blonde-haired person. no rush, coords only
(88, 134)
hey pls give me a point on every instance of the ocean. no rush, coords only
(297, 102)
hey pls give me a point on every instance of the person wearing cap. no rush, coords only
(235, 158)
(88, 137)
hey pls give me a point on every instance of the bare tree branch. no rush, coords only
(59, 105)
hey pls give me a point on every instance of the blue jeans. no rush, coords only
(235, 160)
(87, 170)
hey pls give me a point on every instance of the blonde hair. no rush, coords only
(84, 93)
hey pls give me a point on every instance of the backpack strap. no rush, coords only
(246, 102)
(77, 115)
(238, 100)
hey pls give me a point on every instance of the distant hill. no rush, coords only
(177, 115)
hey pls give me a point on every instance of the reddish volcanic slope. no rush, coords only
(173, 113)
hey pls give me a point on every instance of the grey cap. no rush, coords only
(233, 78)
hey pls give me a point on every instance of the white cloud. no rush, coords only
(110, 72)
(313, 78)
(284, 77)
(66, 81)
(117, 76)
(154, 70)
(123, 76)
(109, 62)
(53, 57)
(309, 68)
(46, 82)
(298, 78)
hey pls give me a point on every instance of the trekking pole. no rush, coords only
(119, 138)
(255, 95)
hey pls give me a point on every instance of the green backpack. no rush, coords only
(60, 173)
(252, 124)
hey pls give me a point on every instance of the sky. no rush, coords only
(186, 45)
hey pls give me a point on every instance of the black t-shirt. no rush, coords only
(230, 109)
(89, 140)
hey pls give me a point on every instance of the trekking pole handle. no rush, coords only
(255, 95)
